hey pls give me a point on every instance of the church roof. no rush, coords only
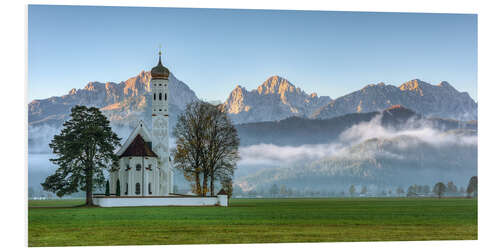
(139, 147)
(160, 72)
(140, 129)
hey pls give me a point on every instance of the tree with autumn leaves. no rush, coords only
(206, 147)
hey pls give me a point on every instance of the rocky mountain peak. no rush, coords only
(275, 99)
(415, 84)
(276, 85)
(93, 86)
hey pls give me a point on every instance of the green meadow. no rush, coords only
(63, 223)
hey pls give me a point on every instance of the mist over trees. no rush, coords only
(412, 191)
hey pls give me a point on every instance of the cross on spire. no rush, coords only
(159, 53)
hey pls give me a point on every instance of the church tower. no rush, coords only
(159, 110)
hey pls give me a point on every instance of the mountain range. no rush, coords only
(122, 102)
(441, 100)
(275, 99)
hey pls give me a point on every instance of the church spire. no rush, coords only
(160, 72)
(159, 55)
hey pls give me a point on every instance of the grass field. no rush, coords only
(254, 221)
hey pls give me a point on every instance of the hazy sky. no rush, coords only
(213, 50)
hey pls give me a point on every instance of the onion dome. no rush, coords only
(160, 72)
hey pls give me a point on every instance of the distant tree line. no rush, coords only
(439, 190)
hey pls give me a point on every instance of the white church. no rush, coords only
(145, 164)
(145, 174)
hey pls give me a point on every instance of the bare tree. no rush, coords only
(190, 138)
(451, 188)
(207, 146)
(472, 187)
(222, 144)
(439, 189)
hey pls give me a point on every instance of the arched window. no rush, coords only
(126, 188)
(159, 96)
(149, 188)
(165, 96)
(137, 188)
(138, 167)
(154, 96)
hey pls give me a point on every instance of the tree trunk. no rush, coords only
(205, 179)
(88, 187)
(212, 184)
(197, 184)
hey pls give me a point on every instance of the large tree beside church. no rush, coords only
(84, 149)
(206, 146)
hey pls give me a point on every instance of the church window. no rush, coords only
(137, 188)
(126, 188)
(159, 96)
(138, 167)
(165, 96)
(149, 188)
(154, 96)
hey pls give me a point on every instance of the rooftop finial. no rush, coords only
(159, 53)
(159, 71)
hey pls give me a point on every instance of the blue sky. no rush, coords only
(213, 50)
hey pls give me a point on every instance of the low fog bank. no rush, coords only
(421, 129)
(367, 153)
(274, 155)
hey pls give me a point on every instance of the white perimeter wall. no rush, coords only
(220, 200)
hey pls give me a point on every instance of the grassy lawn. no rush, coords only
(55, 203)
(255, 221)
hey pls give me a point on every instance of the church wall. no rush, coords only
(220, 200)
(132, 176)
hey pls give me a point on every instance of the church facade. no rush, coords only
(145, 167)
